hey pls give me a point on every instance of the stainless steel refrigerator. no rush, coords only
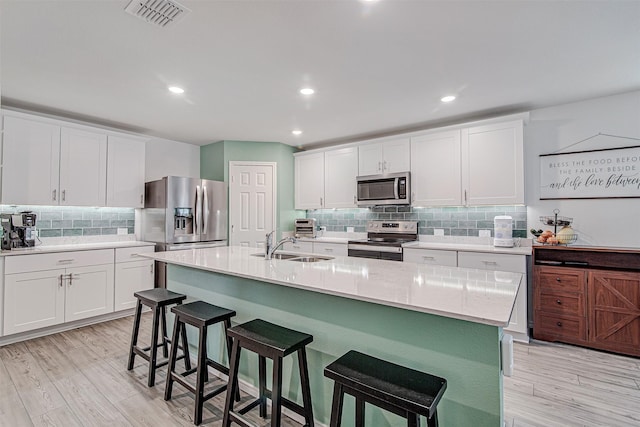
(184, 213)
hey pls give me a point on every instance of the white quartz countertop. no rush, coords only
(524, 250)
(43, 249)
(479, 296)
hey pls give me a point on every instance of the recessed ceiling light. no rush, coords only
(176, 89)
(296, 132)
(447, 98)
(307, 91)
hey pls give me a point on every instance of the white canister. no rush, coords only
(503, 231)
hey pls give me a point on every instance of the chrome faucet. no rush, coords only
(270, 248)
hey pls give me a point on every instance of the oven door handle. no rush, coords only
(371, 248)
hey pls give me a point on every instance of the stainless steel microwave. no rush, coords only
(388, 189)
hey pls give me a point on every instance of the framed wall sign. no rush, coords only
(594, 174)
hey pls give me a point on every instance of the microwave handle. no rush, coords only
(396, 184)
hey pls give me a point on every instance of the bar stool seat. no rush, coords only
(395, 388)
(157, 299)
(274, 342)
(200, 315)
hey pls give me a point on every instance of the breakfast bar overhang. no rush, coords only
(446, 321)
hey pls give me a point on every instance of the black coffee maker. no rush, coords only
(18, 230)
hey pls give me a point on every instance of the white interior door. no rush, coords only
(252, 196)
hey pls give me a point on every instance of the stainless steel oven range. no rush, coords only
(384, 240)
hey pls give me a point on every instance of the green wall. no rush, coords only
(466, 354)
(214, 164)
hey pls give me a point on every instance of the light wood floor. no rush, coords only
(79, 378)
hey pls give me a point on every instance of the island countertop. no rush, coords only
(478, 296)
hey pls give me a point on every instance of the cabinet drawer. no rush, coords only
(335, 249)
(561, 304)
(42, 262)
(488, 261)
(555, 279)
(558, 327)
(301, 247)
(131, 254)
(430, 256)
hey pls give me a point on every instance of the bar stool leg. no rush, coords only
(201, 375)
(177, 327)
(359, 412)
(336, 405)
(276, 393)
(433, 421)
(306, 388)
(234, 361)
(413, 419)
(165, 348)
(185, 346)
(153, 357)
(227, 325)
(262, 385)
(134, 335)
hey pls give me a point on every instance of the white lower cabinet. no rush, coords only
(431, 257)
(298, 247)
(518, 326)
(37, 294)
(331, 249)
(133, 274)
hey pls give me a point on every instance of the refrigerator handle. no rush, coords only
(196, 216)
(205, 209)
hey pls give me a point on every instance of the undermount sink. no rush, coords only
(311, 258)
(295, 257)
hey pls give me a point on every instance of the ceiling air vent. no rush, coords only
(162, 13)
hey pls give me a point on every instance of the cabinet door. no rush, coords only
(614, 311)
(33, 300)
(331, 249)
(396, 156)
(492, 164)
(370, 159)
(83, 168)
(89, 292)
(340, 172)
(435, 169)
(430, 257)
(298, 247)
(309, 181)
(125, 172)
(131, 277)
(31, 155)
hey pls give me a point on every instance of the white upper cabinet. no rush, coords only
(340, 172)
(31, 153)
(83, 168)
(390, 156)
(492, 164)
(125, 172)
(435, 169)
(309, 181)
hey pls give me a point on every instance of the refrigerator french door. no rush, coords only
(184, 213)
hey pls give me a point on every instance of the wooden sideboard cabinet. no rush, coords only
(587, 296)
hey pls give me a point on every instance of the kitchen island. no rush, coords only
(443, 320)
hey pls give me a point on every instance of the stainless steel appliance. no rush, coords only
(18, 230)
(184, 213)
(384, 240)
(387, 189)
(305, 227)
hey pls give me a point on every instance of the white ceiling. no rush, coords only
(377, 67)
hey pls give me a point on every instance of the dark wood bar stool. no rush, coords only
(273, 342)
(201, 315)
(403, 391)
(157, 299)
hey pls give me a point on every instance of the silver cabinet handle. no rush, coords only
(354, 200)
(328, 250)
(465, 197)
(320, 201)
(384, 165)
(55, 193)
(60, 281)
(379, 166)
(490, 262)
(428, 258)
(151, 269)
(70, 279)
(142, 199)
(65, 261)
(64, 194)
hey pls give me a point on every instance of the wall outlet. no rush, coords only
(350, 229)
(438, 231)
(484, 233)
(122, 230)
